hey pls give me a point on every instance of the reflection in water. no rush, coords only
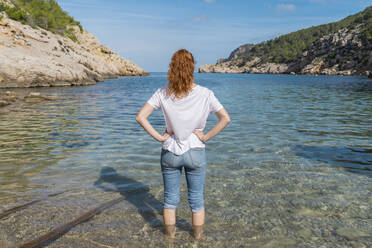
(357, 160)
(27, 147)
(35, 137)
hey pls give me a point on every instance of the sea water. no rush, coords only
(292, 169)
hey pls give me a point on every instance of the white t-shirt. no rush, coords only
(184, 115)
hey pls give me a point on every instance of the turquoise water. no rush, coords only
(292, 169)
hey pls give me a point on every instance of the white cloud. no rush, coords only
(209, 1)
(286, 7)
(199, 19)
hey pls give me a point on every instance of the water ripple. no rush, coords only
(298, 147)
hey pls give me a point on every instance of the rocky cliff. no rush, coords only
(32, 56)
(342, 52)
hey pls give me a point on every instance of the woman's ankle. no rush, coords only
(197, 231)
(170, 231)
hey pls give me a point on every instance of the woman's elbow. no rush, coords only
(139, 119)
(227, 120)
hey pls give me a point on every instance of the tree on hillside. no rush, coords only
(46, 14)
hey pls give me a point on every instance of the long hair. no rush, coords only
(180, 74)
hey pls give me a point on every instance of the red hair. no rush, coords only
(180, 73)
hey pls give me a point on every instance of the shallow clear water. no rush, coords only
(292, 169)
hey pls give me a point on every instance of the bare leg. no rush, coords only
(197, 223)
(169, 216)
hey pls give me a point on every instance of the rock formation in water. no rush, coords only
(33, 56)
(340, 48)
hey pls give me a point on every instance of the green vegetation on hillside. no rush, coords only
(14, 13)
(366, 32)
(287, 48)
(46, 14)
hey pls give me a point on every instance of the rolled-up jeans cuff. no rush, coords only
(197, 209)
(168, 206)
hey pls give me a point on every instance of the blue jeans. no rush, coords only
(194, 161)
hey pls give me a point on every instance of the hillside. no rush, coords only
(40, 13)
(342, 47)
(41, 45)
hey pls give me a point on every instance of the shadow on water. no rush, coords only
(356, 160)
(137, 194)
(132, 191)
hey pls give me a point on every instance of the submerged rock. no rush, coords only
(351, 233)
(305, 233)
(309, 212)
(10, 96)
(3, 103)
(37, 97)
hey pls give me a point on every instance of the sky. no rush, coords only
(148, 32)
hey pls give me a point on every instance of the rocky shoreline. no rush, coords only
(34, 57)
(341, 53)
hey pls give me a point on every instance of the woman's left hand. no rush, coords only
(200, 135)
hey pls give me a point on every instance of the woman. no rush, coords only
(185, 106)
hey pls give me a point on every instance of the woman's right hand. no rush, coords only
(165, 136)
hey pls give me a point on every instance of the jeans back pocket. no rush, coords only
(167, 158)
(197, 157)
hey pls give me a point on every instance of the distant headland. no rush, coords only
(338, 48)
(50, 48)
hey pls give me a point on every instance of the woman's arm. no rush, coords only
(223, 120)
(141, 118)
